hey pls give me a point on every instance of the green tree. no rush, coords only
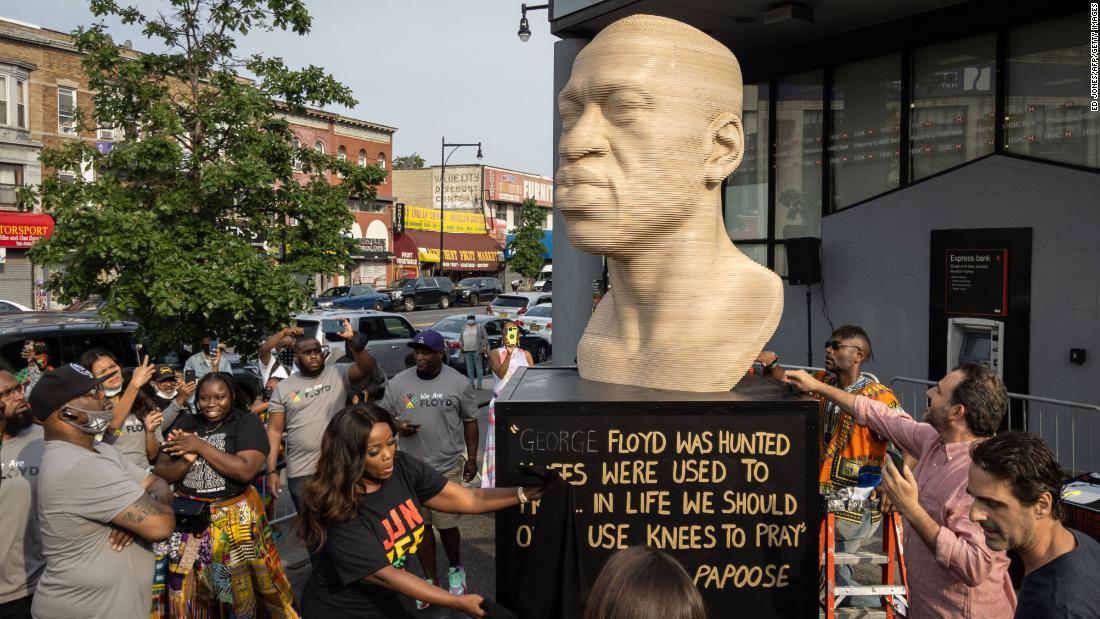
(408, 162)
(195, 219)
(526, 247)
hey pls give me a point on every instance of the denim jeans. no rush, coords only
(473, 364)
(850, 537)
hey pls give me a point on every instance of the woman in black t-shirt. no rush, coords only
(212, 459)
(361, 520)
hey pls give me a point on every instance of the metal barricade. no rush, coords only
(1066, 427)
(283, 510)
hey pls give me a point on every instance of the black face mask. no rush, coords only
(17, 422)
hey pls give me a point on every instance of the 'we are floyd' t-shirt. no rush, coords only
(386, 531)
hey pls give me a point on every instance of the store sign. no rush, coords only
(399, 218)
(508, 186)
(375, 245)
(977, 282)
(23, 229)
(417, 218)
(461, 188)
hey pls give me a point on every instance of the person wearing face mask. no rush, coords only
(277, 354)
(134, 426)
(361, 520)
(504, 362)
(203, 362)
(97, 511)
(21, 561)
(212, 458)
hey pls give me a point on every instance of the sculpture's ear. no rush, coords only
(727, 148)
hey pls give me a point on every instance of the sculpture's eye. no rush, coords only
(625, 106)
(570, 112)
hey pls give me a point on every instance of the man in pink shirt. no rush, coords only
(952, 572)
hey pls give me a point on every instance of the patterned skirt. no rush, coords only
(232, 569)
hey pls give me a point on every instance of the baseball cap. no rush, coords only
(61, 386)
(428, 339)
(163, 372)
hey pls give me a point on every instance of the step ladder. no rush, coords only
(894, 594)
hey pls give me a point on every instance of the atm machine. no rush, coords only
(976, 340)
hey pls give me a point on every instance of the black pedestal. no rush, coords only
(726, 483)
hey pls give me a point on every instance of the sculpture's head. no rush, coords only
(651, 125)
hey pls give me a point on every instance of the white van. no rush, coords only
(545, 275)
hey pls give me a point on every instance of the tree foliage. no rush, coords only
(408, 162)
(195, 219)
(526, 246)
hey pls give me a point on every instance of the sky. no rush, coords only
(431, 68)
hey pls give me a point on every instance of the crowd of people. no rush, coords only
(146, 492)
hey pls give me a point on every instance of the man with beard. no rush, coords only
(846, 448)
(21, 561)
(303, 403)
(1017, 487)
(952, 572)
(97, 510)
(435, 409)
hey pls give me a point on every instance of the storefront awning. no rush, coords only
(461, 252)
(405, 251)
(23, 229)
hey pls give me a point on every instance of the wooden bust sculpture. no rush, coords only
(651, 126)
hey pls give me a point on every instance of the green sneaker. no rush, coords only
(456, 580)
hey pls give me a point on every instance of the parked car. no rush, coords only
(474, 290)
(389, 335)
(413, 292)
(11, 306)
(516, 304)
(539, 321)
(451, 330)
(68, 335)
(352, 297)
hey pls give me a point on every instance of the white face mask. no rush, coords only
(112, 392)
(168, 395)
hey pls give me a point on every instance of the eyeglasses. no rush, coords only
(836, 345)
(10, 391)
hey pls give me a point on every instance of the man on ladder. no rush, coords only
(847, 449)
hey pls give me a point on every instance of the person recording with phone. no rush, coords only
(504, 362)
(36, 354)
(134, 426)
(302, 405)
(208, 359)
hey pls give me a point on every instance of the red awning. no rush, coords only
(461, 252)
(23, 229)
(404, 251)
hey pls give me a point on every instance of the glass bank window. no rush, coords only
(746, 191)
(865, 111)
(954, 103)
(1047, 111)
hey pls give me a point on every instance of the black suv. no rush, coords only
(413, 292)
(474, 290)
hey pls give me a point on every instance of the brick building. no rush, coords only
(364, 143)
(41, 87)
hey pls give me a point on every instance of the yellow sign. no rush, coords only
(418, 218)
(457, 255)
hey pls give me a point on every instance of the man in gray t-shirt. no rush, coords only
(435, 409)
(303, 404)
(92, 505)
(21, 561)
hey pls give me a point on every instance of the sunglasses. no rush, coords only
(836, 345)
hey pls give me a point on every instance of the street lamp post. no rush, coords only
(525, 26)
(444, 156)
